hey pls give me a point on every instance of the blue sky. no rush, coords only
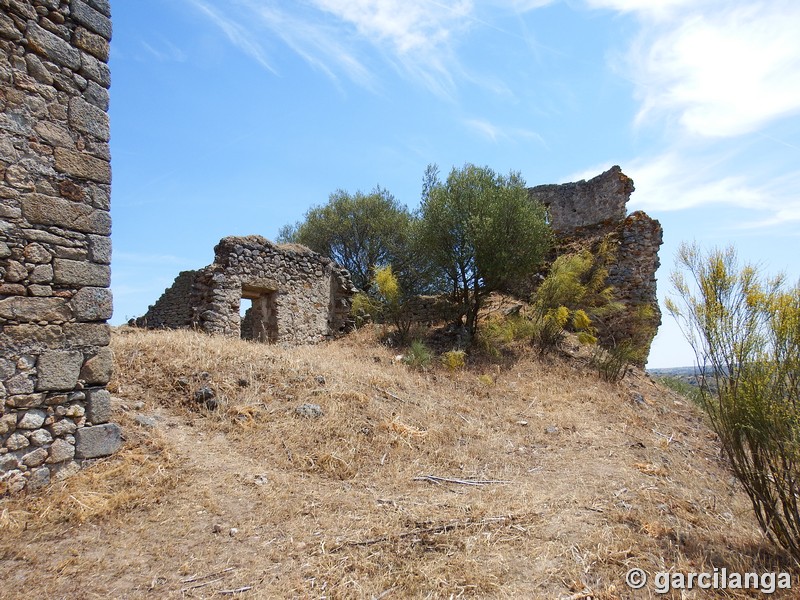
(233, 117)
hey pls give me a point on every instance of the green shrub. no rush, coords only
(419, 356)
(498, 332)
(454, 360)
(612, 363)
(572, 297)
(745, 332)
(363, 309)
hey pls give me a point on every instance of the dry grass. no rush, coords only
(528, 480)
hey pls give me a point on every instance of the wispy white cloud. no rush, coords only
(652, 9)
(688, 179)
(718, 68)
(346, 39)
(339, 37)
(675, 182)
(239, 35)
(163, 50)
(496, 133)
(714, 76)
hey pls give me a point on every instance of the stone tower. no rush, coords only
(55, 245)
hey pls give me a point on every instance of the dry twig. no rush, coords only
(440, 480)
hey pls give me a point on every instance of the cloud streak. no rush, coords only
(496, 133)
(714, 76)
(720, 69)
(349, 39)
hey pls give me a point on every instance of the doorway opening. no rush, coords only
(260, 321)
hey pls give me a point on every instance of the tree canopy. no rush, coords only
(359, 231)
(481, 231)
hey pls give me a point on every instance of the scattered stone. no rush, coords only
(320, 379)
(146, 421)
(206, 396)
(233, 531)
(551, 429)
(309, 411)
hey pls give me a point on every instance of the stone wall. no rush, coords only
(55, 249)
(173, 309)
(573, 206)
(586, 212)
(298, 295)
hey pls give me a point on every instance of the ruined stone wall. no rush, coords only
(583, 214)
(308, 294)
(173, 309)
(55, 249)
(573, 206)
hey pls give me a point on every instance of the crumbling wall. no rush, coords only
(173, 309)
(586, 212)
(599, 201)
(55, 247)
(306, 295)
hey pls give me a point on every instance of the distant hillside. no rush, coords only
(338, 471)
(687, 375)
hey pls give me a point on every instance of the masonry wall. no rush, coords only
(599, 201)
(311, 293)
(585, 213)
(173, 309)
(55, 248)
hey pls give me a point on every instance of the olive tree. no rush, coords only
(481, 232)
(359, 231)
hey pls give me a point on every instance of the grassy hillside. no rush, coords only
(527, 479)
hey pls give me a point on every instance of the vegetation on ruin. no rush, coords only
(475, 232)
(481, 231)
(385, 301)
(745, 331)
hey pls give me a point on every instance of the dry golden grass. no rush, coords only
(531, 479)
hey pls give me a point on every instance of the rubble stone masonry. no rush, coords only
(585, 213)
(55, 245)
(298, 296)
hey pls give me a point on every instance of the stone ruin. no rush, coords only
(55, 246)
(297, 296)
(583, 214)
